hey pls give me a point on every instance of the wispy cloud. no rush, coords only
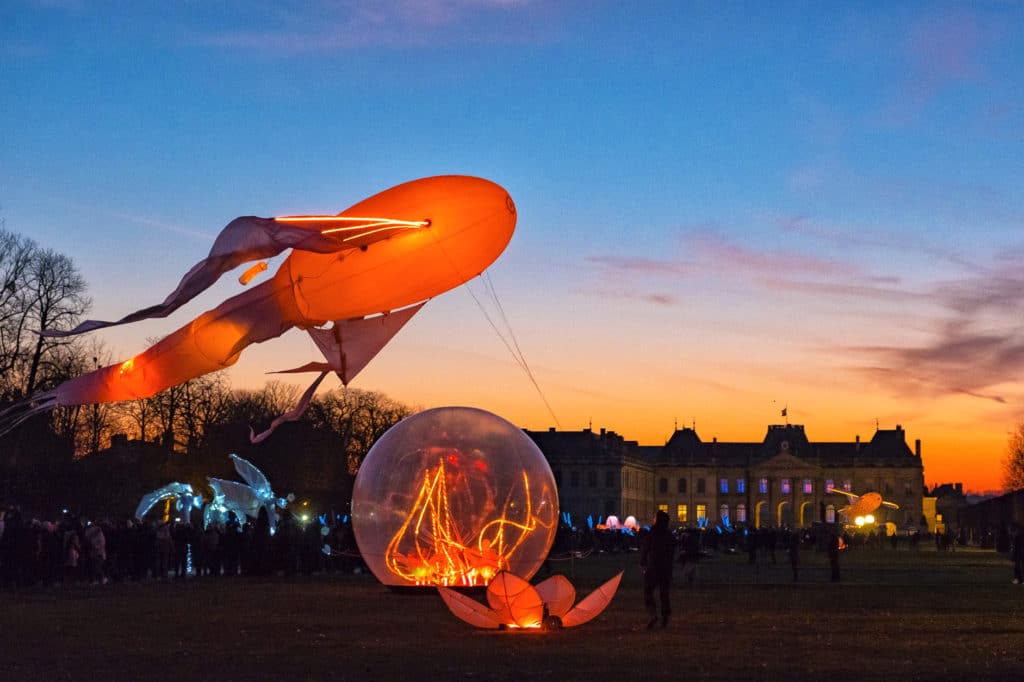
(707, 252)
(656, 298)
(858, 237)
(976, 340)
(646, 266)
(733, 255)
(342, 25)
(939, 52)
(977, 344)
(1000, 291)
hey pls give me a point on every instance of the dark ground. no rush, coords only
(896, 615)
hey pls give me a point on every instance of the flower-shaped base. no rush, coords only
(515, 603)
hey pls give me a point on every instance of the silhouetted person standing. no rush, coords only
(657, 554)
(261, 544)
(833, 555)
(691, 555)
(794, 554)
(1017, 555)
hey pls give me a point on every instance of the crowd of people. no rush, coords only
(73, 550)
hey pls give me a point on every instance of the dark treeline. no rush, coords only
(100, 459)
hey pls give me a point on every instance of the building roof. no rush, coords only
(585, 446)
(888, 447)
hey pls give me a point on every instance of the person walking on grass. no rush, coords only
(657, 554)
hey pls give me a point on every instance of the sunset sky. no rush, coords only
(724, 208)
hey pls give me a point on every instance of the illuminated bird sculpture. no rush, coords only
(366, 271)
(244, 499)
(515, 603)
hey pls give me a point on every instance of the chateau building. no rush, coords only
(782, 480)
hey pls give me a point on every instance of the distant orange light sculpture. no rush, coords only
(453, 496)
(360, 273)
(516, 604)
(862, 505)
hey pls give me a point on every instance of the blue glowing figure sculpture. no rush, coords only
(182, 492)
(245, 499)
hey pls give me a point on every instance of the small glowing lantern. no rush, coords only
(451, 497)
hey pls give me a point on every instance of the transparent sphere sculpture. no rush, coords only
(452, 495)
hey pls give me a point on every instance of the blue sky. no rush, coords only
(721, 204)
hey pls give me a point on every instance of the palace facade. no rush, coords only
(780, 481)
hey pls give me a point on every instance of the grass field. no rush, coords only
(896, 615)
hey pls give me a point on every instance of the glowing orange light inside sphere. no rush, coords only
(452, 496)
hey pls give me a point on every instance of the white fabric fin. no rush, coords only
(349, 345)
(515, 601)
(242, 240)
(292, 415)
(558, 594)
(593, 604)
(469, 610)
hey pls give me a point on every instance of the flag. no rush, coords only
(784, 410)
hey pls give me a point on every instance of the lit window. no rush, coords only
(723, 512)
(848, 485)
(702, 512)
(829, 484)
(741, 513)
(808, 486)
(723, 485)
(663, 507)
(701, 487)
(681, 513)
(741, 485)
(681, 485)
(762, 485)
(785, 486)
(830, 514)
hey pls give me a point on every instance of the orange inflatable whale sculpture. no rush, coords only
(366, 270)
